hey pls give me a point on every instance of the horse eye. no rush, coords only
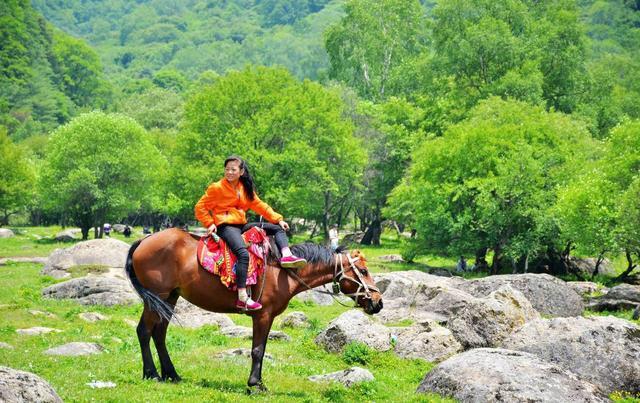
(364, 271)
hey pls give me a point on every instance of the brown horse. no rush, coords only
(163, 267)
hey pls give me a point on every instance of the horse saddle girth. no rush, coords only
(217, 258)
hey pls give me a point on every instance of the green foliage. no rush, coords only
(357, 353)
(45, 75)
(17, 178)
(300, 149)
(490, 180)
(99, 168)
(373, 39)
(154, 108)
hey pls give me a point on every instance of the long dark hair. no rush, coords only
(245, 178)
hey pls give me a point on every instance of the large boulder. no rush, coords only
(6, 233)
(587, 289)
(485, 322)
(628, 292)
(548, 295)
(427, 340)
(354, 326)
(497, 375)
(104, 252)
(68, 235)
(20, 386)
(92, 290)
(317, 296)
(603, 350)
(408, 284)
(586, 266)
(191, 316)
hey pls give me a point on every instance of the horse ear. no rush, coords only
(357, 253)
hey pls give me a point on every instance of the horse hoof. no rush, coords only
(172, 378)
(256, 389)
(153, 377)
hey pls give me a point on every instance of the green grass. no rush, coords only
(205, 376)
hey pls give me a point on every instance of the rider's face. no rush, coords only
(232, 171)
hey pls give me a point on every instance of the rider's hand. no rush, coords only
(212, 228)
(284, 225)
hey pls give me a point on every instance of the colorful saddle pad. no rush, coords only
(217, 258)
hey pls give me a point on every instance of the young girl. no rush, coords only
(222, 209)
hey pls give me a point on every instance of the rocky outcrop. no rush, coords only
(354, 326)
(485, 322)
(603, 350)
(94, 291)
(20, 386)
(103, 252)
(497, 375)
(548, 295)
(426, 340)
(6, 233)
(191, 316)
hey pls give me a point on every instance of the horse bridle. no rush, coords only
(339, 276)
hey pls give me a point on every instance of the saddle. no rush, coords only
(217, 258)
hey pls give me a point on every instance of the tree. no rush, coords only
(17, 178)
(372, 40)
(299, 146)
(489, 181)
(100, 167)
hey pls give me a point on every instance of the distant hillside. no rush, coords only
(138, 39)
(46, 76)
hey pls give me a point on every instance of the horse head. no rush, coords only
(355, 281)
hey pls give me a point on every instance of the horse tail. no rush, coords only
(154, 302)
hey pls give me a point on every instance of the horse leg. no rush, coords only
(144, 329)
(159, 335)
(261, 327)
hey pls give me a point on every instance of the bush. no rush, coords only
(357, 353)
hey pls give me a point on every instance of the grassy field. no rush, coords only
(206, 377)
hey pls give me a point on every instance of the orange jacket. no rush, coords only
(222, 204)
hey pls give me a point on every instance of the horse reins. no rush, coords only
(339, 276)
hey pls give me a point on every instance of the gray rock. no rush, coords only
(354, 326)
(485, 322)
(547, 294)
(6, 346)
(586, 288)
(247, 333)
(627, 292)
(295, 320)
(426, 340)
(603, 350)
(100, 384)
(608, 304)
(390, 258)
(105, 252)
(37, 331)
(35, 312)
(20, 386)
(75, 349)
(348, 377)
(316, 297)
(94, 291)
(191, 316)
(497, 375)
(407, 285)
(118, 228)
(92, 317)
(586, 266)
(68, 235)
(6, 233)
(240, 352)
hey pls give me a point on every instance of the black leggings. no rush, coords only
(232, 235)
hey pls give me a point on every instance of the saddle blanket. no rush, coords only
(217, 258)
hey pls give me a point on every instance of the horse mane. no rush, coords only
(315, 253)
